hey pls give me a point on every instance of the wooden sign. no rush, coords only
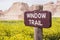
(36, 18)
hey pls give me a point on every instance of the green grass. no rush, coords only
(16, 30)
(53, 33)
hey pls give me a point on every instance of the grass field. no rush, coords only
(16, 30)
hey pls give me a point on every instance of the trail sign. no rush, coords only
(36, 18)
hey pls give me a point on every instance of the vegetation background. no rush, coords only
(16, 30)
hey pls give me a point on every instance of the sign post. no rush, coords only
(39, 19)
(38, 32)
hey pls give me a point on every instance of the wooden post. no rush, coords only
(38, 32)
